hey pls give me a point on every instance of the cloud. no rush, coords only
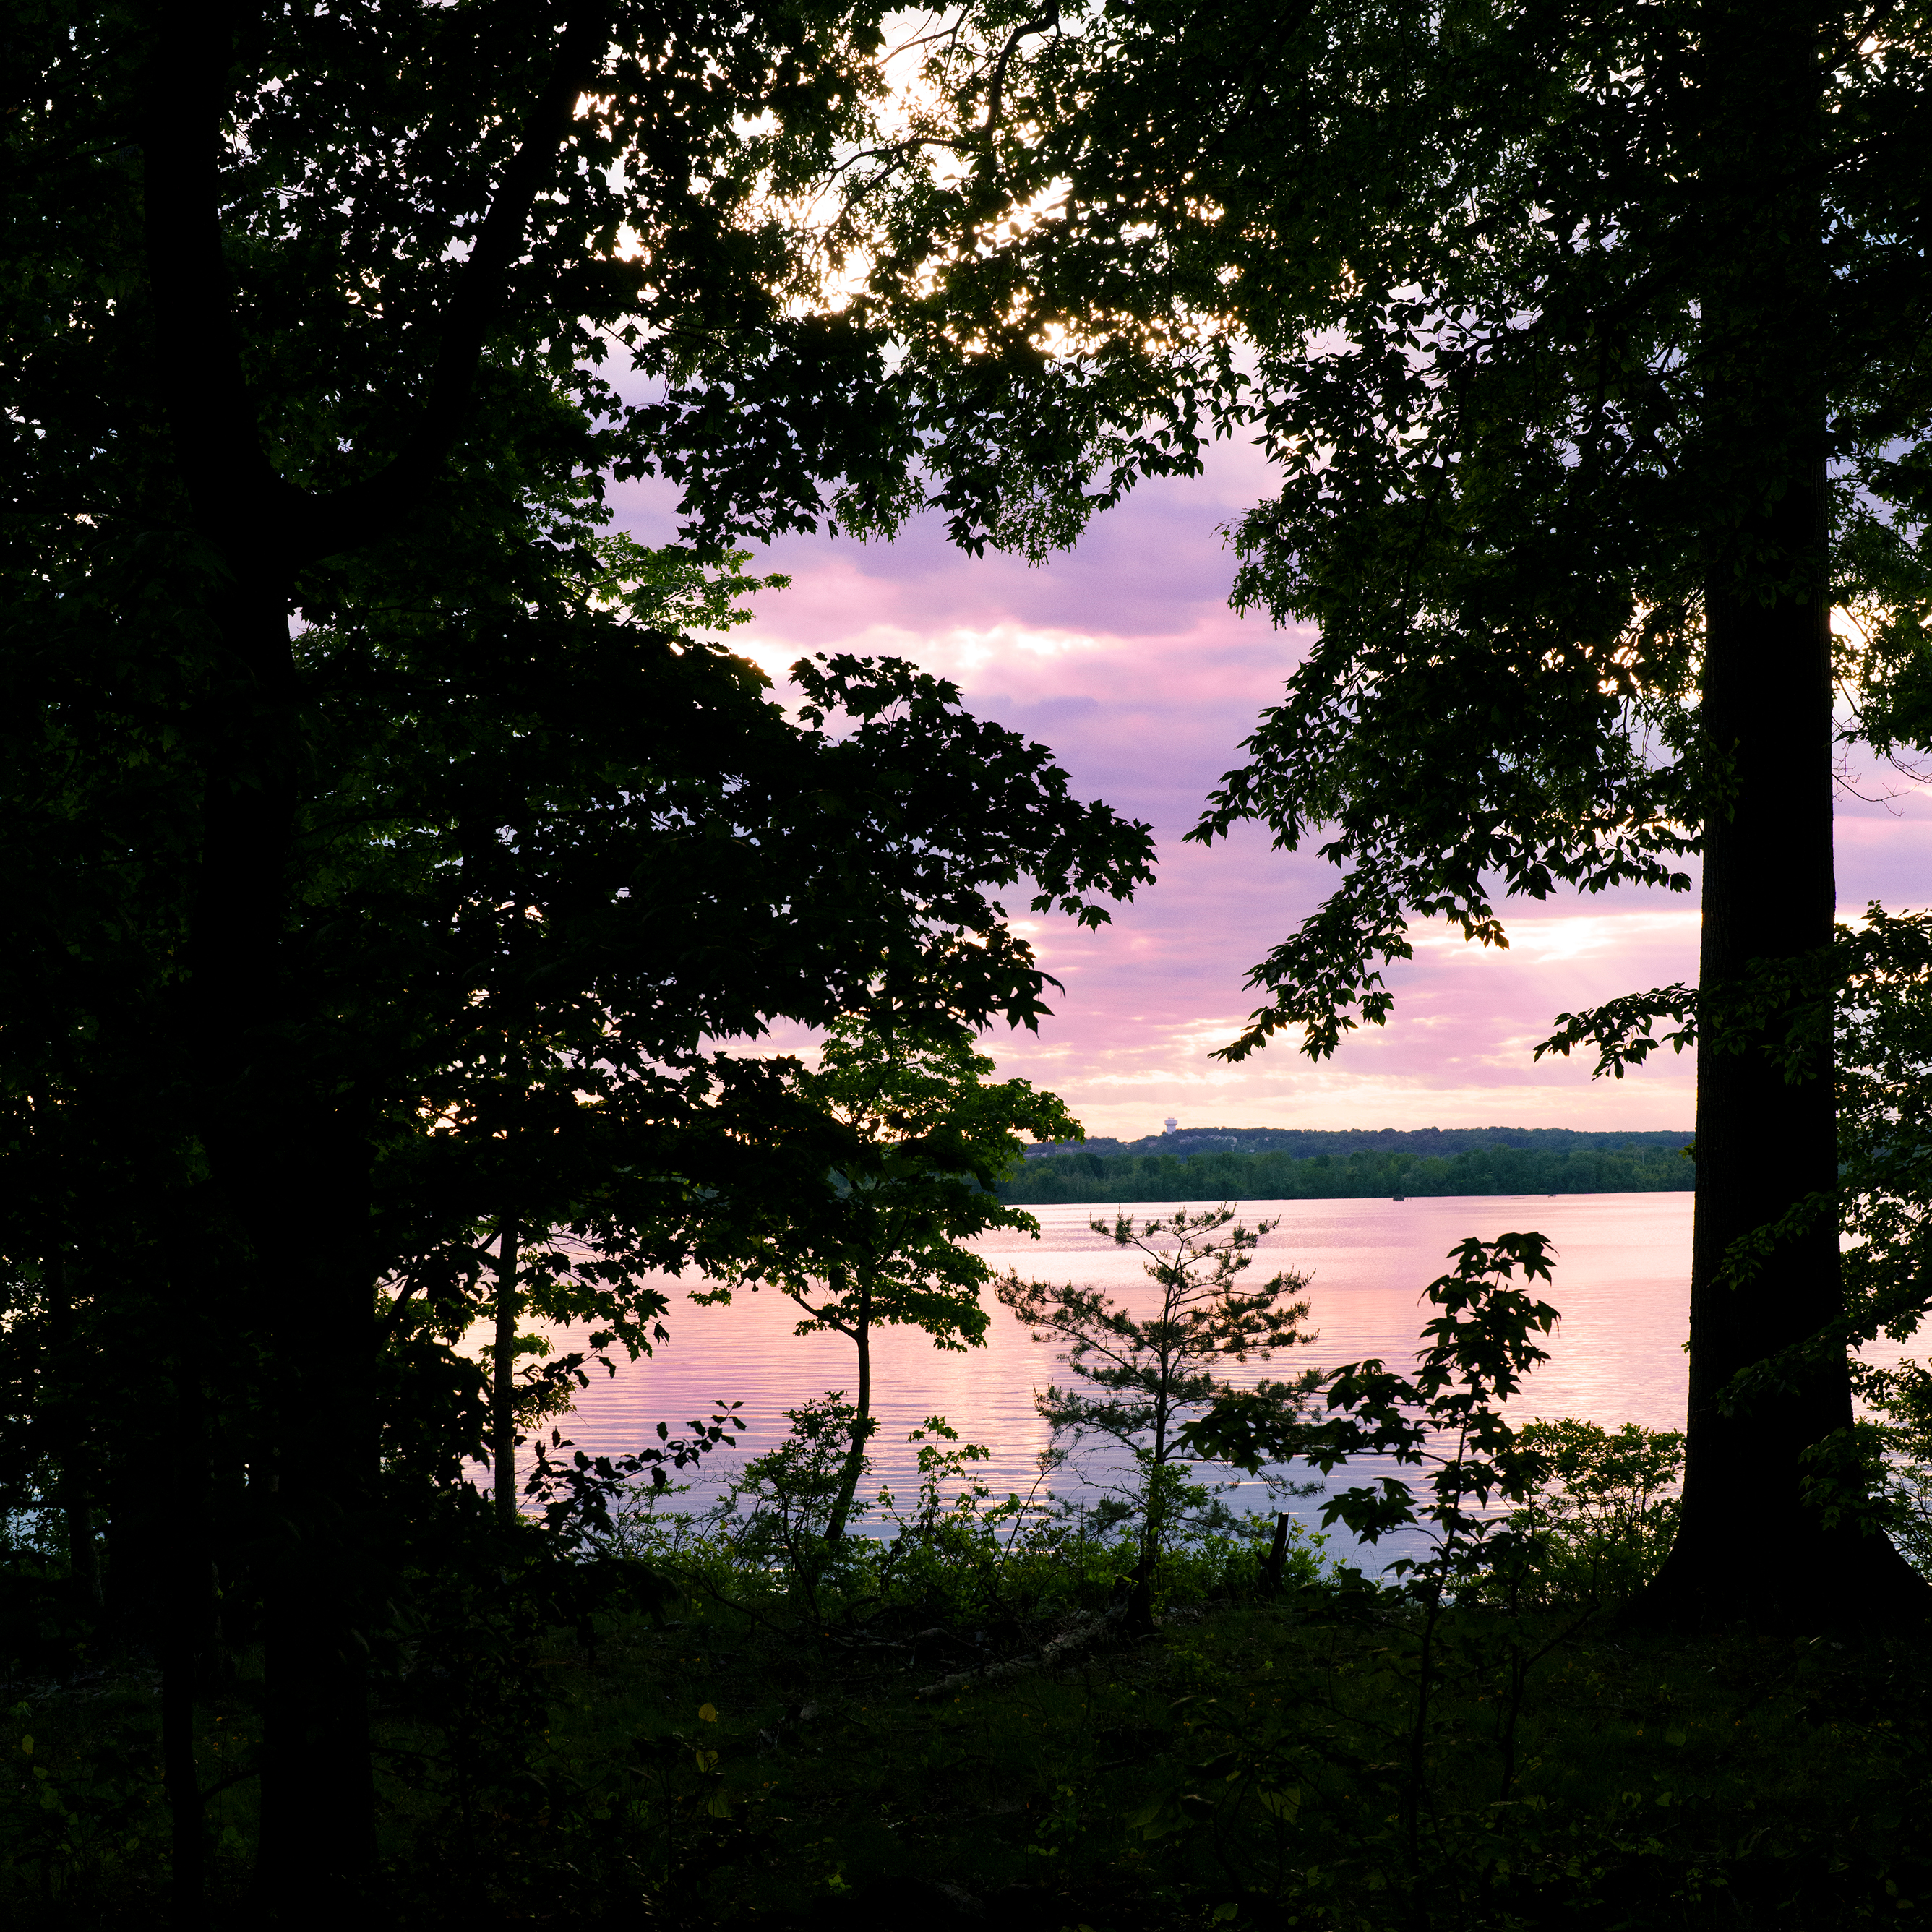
(1124, 656)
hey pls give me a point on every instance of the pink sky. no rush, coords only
(1124, 656)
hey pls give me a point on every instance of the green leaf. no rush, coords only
(1156, 1820)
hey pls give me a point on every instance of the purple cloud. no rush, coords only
(1124, 657)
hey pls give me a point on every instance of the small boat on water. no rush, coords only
(1398, 1197)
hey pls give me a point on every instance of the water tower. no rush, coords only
(1168, 1126)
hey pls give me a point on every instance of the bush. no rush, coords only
(952, 1552)
(1597, 1527)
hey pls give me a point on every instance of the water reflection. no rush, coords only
(1622, 1281)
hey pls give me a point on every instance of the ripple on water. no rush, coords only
(1622, 1282)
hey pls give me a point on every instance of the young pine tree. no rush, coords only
(1148, 1376)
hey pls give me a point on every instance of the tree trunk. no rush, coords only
(1140, 1599)
(1748, 1549)
(184, 1622)
(83, 1550)
(287, 1208)
(318, 1850)
(1140, 1596)
(502, 1378)
(1277, 1555)
(861, 1425)
(284, 1211)
(72, 1487)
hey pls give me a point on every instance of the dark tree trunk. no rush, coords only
(861, 1425)
(291, 1181)
(318, 1848)
(180, 1778)
(502, 1378)
(284, 1207)
(73, 1489)
(1146, 1562)
(83, 1548)
(286, 1204)
(1277, 1556)
(1749, 1549)
(185, 1608)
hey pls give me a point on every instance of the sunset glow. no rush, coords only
(1124, 657)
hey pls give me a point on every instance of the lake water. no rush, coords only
(1622, 1282)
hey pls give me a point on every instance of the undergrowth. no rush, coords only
(900, 1755)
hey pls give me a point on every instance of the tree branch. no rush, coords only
(350, 515)
(234, 492)
(996, 94)
(239, 498)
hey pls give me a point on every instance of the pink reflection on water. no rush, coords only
(1622, 1282)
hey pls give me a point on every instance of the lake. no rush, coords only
(1622, 1282)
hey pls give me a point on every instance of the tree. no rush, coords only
(1156, 1373)
(920, 1135)
(1588, 342)
(668, 591)
(264, 267)
(1861, 1012)
(644, 888)
(507, 1313)
(308, 312)
(529, 906)
(1604, 1520)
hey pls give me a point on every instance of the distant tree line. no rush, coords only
(1301, 1142)
(1636, 1168)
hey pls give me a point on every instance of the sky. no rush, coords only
(1124, 657)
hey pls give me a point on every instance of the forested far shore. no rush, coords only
(1225, 1174)
(1301, 1142)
